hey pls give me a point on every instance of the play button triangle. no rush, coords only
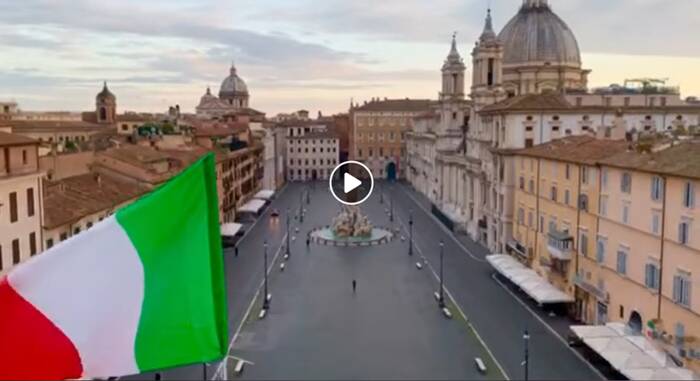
(350, 182)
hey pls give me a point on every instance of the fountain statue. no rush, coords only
(351, 223)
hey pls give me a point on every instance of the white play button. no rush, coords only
(350, 183)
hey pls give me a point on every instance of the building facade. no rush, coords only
(20, 200)
(377, 134)
(313, 150)
(612, 223)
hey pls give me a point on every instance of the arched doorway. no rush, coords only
(635, 322)
(391, 171)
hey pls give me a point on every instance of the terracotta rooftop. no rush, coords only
(401, 105)
(135, 117)
(219, 131)
(576, 149)
(681, 159)
(43, 125)
(7, 139)
(546, 101)
(73, 198)
(136, 154)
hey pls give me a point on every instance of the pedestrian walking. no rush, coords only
(308, 241)
(354, 285)
(235, 253)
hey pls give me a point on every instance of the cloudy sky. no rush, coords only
(303, 53)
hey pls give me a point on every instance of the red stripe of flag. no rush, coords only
(31, 346)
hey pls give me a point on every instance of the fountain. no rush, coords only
(351, 228)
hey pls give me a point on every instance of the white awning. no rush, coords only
(265, 194)
(528, 280)
(230, 229)
(631, 354)
(252, 206)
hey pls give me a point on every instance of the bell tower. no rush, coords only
(106, 106)
(487, 58)
(453, 74)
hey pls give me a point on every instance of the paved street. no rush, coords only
(391, 328)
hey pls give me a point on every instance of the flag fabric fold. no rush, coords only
(142, 290)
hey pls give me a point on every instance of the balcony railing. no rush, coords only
(560, 245)
(581, 282)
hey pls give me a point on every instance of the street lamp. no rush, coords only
(410, 232)
(301, 207)
(287, 249)
(526, 363)
(266, 302)
(391, 210)
(442, 287)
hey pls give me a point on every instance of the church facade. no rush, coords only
(233, 97)
(528, 87)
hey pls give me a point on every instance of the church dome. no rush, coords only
(233, 85)
(538, 35)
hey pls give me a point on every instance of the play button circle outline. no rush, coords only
(371, 183)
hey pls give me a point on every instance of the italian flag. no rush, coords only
(142, 290)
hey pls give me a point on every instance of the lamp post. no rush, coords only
(381, 193)
(442, 287)
(301, 207)
(526, 363)
(287, 248)
(391, 210)
(266, 301)
(410, 232)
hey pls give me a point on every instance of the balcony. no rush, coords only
(560, 245)
(517, 248)
(592, 289)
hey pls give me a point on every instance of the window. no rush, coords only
(77, 229)
(24, 157)
(32, 243)
(64, 236)
(651, 276)
(542, 223)
(626, 213)
(15, 251)
(521, 182)
(568, 171)
(530, 219)
(583, 243)
(603, 207)
(583, 202)
(626, 183)
(657, 188)
(567, 196)
(656, 222)
(684, 232)
(553, 193)
(622, 261)
(600, 249)
(529, 143)
(521, 216)
(30, 202)
(584, 175)
(13, 207)
(681, 289)
(531, 186)
(604, 178)
(49, 243)
(689, 195)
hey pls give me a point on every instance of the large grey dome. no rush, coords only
(536, 34)
(233, 85)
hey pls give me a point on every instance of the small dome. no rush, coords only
(536, 34)
(233, 85)
(105, 94)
